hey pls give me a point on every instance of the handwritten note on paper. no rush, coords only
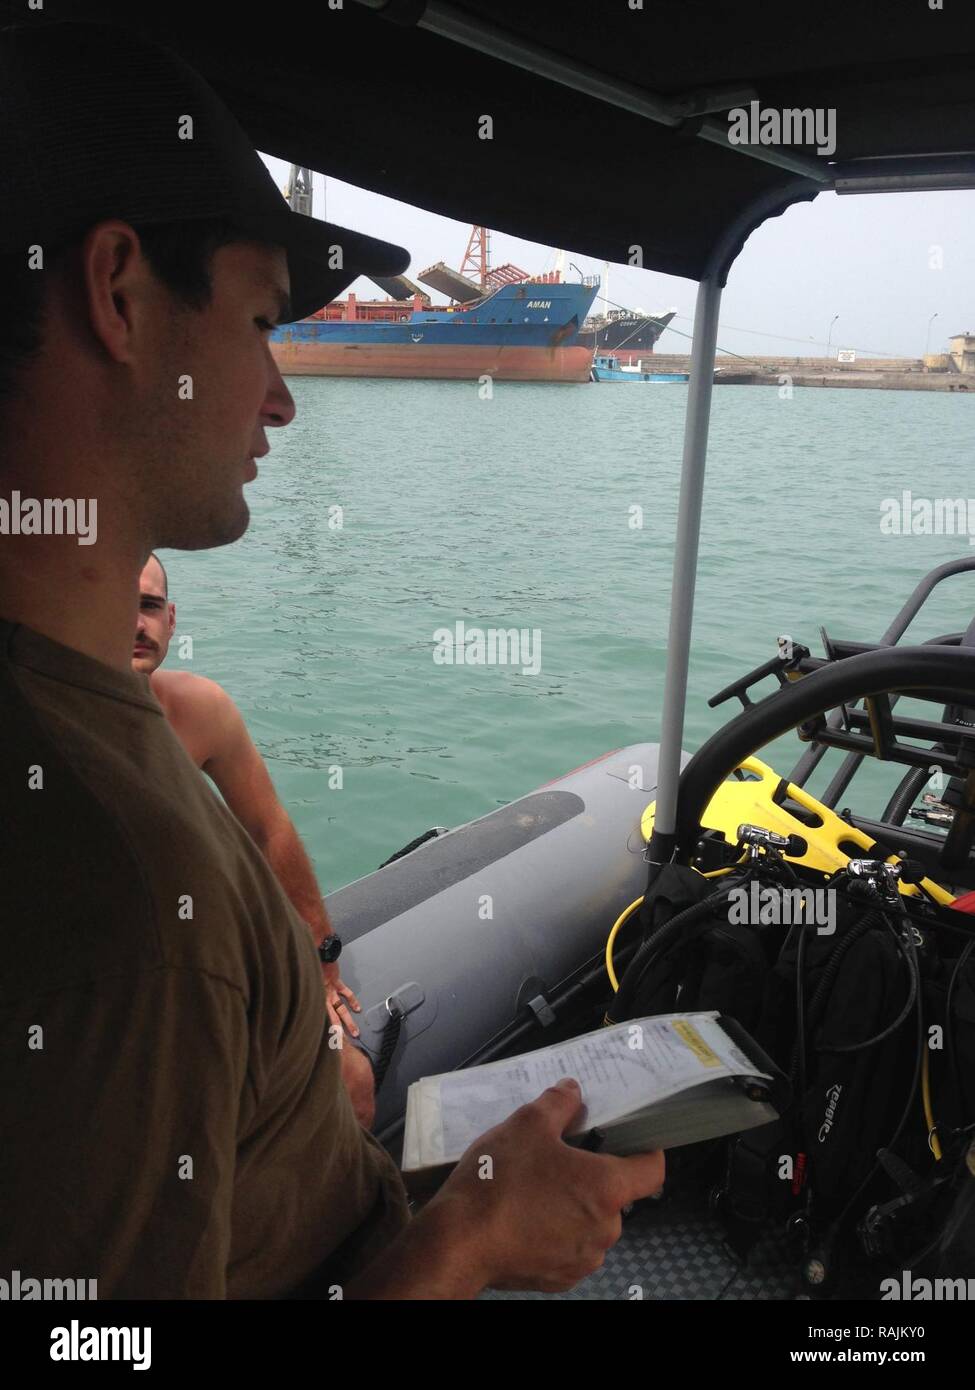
(620, 1070)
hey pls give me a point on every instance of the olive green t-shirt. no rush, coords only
(172, 1117)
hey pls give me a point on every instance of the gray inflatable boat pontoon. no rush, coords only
(478, 930)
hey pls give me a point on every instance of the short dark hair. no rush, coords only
(154, 556)
(180, 253)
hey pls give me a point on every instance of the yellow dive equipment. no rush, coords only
(830, 842)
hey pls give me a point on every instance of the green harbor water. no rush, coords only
(518, 512)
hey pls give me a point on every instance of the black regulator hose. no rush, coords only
(826, 980)
(655, 945)
(909, 787)
(905, 795)
(907, 791)
(910, 956)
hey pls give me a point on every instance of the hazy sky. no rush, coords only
(883, 262)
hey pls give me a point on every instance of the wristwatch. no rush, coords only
(330, 949)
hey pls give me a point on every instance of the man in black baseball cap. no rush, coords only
(98, 123)
(99, 127)
(172, 1115)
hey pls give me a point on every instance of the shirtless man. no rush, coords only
(210, 727)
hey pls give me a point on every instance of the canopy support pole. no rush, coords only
(703, 350)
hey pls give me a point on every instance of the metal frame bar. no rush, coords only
(696, 423)
(697, 420)
(703, 355)
(943, 170)
(905, 173)
(440, 17)
(449, 22)
(908, 612)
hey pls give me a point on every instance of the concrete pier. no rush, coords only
(869, 373)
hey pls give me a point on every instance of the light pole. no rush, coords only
(829, 336)
(927, 336)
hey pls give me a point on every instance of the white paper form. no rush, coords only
(620, 1070)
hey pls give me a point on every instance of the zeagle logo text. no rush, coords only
(832, 1098)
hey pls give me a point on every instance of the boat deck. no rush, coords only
(673, 1251)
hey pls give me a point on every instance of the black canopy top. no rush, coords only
(397, 108)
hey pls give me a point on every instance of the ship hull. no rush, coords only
(521, 332)
(629, 338)
(417, 361)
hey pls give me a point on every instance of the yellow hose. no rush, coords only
(628, 911)
(933, 1142)
(624, 915)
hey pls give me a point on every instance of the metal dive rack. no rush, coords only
(872, 729)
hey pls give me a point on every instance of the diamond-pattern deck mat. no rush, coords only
(673, 1250)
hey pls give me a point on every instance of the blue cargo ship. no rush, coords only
(524, 331)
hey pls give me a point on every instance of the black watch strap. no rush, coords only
(330, 949)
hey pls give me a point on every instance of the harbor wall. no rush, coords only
(867, 373)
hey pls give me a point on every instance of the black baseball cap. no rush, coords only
(98, 122)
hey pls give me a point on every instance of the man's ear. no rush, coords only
(172, 619)
(117, 281)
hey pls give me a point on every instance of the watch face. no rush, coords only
(330, 949)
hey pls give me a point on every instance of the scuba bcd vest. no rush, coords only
(850, 998)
